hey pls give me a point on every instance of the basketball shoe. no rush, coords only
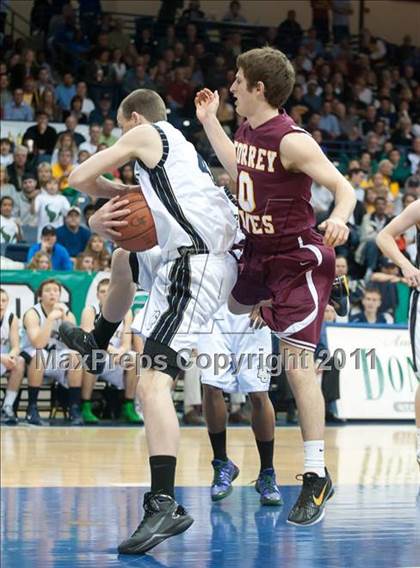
(8, 416)
(310, 506)
(267, 487)
(225, 472)
(163, 518)
(33, 417)
(84, 343)
(340, 294)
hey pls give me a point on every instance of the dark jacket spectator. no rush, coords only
(43, 135)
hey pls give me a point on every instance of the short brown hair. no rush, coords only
(271, 67)
(145, 102)
(103, 282)
(45, 283)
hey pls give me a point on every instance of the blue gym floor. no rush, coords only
(365, 526)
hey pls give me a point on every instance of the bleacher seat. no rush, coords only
(29, 234)
(17, 252)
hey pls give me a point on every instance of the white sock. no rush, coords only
(314, 457)
(10, 398)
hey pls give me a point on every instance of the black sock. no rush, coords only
(75, 394)
(162, 469)
(218, 443)
(103, 331)
(266, 451)
(33, 395)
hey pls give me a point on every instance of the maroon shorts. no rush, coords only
(297, 276)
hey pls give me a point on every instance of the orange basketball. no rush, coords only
(140, 233)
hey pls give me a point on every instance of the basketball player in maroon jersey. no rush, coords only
(288, 266)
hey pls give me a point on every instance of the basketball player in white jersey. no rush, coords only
(386, 241)
(195, 229)
(244, 353)
(114, 373)
(227, 334)
(11, 364)
(46, 355)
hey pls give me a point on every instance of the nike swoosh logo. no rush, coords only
(305, 263)
(155, 527)
(318, 500)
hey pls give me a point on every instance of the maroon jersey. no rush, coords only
(273, 202)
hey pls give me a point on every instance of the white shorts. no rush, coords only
(54, 362)
(239, 355)
(415, 329)
(186, 293)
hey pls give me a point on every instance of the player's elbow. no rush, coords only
(77, 180)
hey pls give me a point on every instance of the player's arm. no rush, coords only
(300, 153)
(38, 335)
(386, 241)
(87, 322)
(142, 142)
(14, 338)
(206, 104)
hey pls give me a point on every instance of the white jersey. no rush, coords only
(189, 210)
(8, 230)
(6, 323)
(51, 210)
(54, 342)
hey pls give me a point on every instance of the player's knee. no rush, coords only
(236, 308)
(20, 365)
(258, 399)
(211, 392)
(120, 266)
(151, 386)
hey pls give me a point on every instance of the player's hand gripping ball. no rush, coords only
(140, 232)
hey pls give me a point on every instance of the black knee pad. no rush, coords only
(163, 358)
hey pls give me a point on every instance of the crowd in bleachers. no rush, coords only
(360, 102)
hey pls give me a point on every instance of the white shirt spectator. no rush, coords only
(88, 147)
(6, 160)
(9, 230)
(87, 106)
(51, 210)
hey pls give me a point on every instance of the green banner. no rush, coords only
(21, 285)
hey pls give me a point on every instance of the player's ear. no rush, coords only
(139, 118)
(260, 88)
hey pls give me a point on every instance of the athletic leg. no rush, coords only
(263, 426)
(35, 377)
(317, 486)
(88, 383)
(128, 410)
(215, 413)
(117, 303)
(8, 415)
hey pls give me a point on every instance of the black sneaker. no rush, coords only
(33, 417)
(8, 416)
(340, 296)
(75, 415)
(163, 518)
(84, 343)
(315, 492)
